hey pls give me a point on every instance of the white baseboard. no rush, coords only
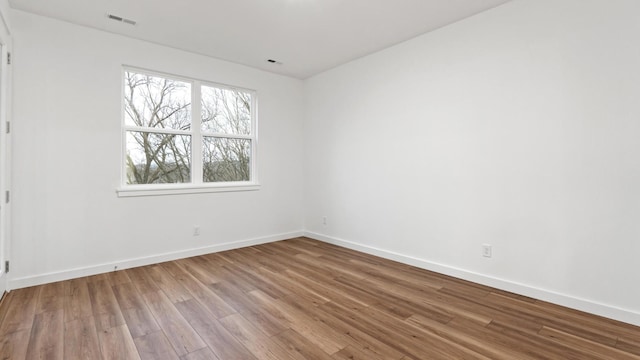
(608, 311)
(27, 281)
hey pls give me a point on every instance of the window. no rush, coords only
(186, 135)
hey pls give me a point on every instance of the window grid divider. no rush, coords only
(157, 130)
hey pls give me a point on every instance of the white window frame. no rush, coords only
(197, 138)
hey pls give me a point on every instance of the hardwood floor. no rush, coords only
(295, 299)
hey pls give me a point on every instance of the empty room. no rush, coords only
(320, 179)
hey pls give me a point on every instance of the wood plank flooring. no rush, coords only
(295, 299)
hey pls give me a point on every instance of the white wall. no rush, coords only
(518, 128)
(67, 219)
(4, 14)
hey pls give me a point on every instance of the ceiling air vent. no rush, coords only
(121, 19)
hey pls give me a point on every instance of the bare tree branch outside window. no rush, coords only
(226, 112)
(153, 104)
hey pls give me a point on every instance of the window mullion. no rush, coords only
(196, 127)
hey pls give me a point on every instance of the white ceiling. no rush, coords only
(307, 36)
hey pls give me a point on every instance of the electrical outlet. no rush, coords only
(486, 250)
(324, 220)
(196, 230)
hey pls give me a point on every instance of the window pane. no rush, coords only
(156, 102)
(226, 159)
(226, 111)
(154, 158)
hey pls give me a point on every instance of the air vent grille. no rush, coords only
(121, 19)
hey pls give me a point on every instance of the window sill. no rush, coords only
(173, 189)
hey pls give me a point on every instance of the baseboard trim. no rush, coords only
(27, 281)
(592, 307)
